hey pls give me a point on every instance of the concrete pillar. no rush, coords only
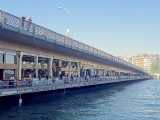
(69, 65)
(104, 72)
(116, 73)
(84, 72)
(113, 72)
(121, 73)
(16, 62)
(36, 63)
(107, 72)
(99, 72)
(110, 72)
(95, 72)
(78, 69)
(50, 66)
(20, 67)
(92, 71)
(60, 65)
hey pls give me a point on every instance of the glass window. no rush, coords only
(10, 57)
(1, 57)
(26, 73)
(8, 74)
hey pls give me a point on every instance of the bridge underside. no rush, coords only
(31, 41)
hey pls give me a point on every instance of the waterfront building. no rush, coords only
(145, 61)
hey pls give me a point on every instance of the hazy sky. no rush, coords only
(124, 27)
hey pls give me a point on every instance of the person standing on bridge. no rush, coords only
(29, 22)
(23, 19)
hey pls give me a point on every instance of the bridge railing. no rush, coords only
(75, 80)
(11, 22)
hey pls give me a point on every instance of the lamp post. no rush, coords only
(68, 31)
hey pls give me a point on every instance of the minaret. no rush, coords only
(68, 33)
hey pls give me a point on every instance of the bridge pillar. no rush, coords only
(20, 67)
(78, 69)
(69, 73)
(115, 73)
(95, 72)
(104, 73)
(118, 73)
(92, 72)
(36, 63)
(112, 72)
(60, 65)
(84, 72)
(50, 66)
(122, 73)
(108, 72)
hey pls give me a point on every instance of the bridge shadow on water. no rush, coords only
(53, 105)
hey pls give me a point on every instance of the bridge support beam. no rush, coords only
(78, 69)
(36, 63)
(95, 72)
(60, 65)
(69, 74)
(112, 72)
(104, 74)
(50, 66)
(20, 66)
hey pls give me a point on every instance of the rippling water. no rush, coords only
(124, 101)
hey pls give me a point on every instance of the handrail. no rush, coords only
(45, 34)
(44, 82)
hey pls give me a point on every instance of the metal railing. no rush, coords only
(66, 81)
(18, 25)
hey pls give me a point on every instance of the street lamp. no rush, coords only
(68, 31)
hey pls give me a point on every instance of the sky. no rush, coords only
(123, 27)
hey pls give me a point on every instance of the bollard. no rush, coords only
(20, 101)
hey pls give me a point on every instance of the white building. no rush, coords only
(145, 61)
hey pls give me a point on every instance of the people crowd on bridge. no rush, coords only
(28, 22)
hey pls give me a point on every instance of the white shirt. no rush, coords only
(30, 75)
(11, 78)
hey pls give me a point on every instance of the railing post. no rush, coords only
(56, 37)
(71, 43)
(2, 18)
(20, 25)
(46, 34)
(34, 30)
(78, 46)
(64, 40)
